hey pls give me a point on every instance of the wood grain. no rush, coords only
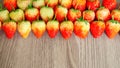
(59, 53)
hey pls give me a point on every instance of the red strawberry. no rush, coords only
(51, 3)
(52, 28)
(93, 4)
(110, 4)
(9, 27)
(103, 14)
(24, 28)
(61, 13)
(10, 4)
(97, 28)
(38, 3)
(0, 25)
(66, 3)
(32, 14)
(79, 4)
(38, 28)
(89, 15)
(112, 28)
(46, 13)
(81, 28)
(116, 14)
(73, 14)
(66, 29)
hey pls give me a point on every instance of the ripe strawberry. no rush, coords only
(46, 13)
(4, 15)
(73, 14)
(103, 14)
(110, 4)
(24, 28)
(93, 4)
(97, 28)
(17, 15)
(23, 4)
(112, 28)
(66, 29)
(81, 28)
(89, 15)
(79, 4)
(66, 3)
(32, 14)
(60, 13)
(38, 3)
(52, 28)
(116, 14)
(51, 3)
(38, 28)
(10, 4)
(9, 27)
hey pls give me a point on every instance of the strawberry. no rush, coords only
(60, 13)
(93, 4)
(81, 28)
(24, 28)
(45, 15)
(112, 28)
(97, 28)
(9, 27)
(38, 3)
(103, 14)
(10, 4)
(66, 29)
(110, 4)
(116, 14)
(73, 14)
(32, 14)
(23, 4)
(52, 28)
(38, 28)
(17, 15)
(51, 3)
(89, 15)
(0, 25)
(66, 3)
(4, 15)
(79, 4)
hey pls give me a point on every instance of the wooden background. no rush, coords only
(59, 53)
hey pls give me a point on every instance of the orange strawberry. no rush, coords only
(38, 28)
(66, 3)
(79, 4)
(60, 13)
(73, 14)
(10, 4)
(32, 14)
(52, 28)
(89, 15)
(51, 3)
(115, 14)
(112, 28)
(103, 14)
(110, 4)
(9, 27)
(93, 4)
(97, 28)
(24, 28)
(81, 28)
(66, 29)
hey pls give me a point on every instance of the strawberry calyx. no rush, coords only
(114, 21)
(81, 19)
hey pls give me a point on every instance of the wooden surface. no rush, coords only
(59, 53)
